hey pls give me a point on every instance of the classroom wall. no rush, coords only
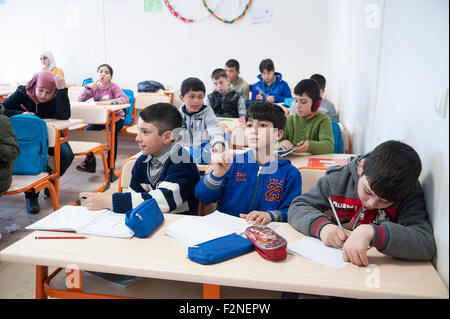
(386, 78)
(155, 45)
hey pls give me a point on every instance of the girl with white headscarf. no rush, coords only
(49, 64)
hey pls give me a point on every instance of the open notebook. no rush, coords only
(195, 230)
(81, 220)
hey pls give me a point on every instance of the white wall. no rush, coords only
(155, 45)
(386, 81)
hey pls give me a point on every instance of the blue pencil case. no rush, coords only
(145, 218)
(220, 249)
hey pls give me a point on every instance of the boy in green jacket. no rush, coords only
(9, 151)
(308, 130)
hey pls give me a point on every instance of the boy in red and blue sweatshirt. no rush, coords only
(255, 185)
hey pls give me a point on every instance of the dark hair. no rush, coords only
(309, 87)
(266, 64)
(266, 111)
(192, 84)
(108, 66)
(164, 116)
(320, 79)
(232, 63)
(218, 73)
(392, 170)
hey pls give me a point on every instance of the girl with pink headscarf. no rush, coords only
(45, 96)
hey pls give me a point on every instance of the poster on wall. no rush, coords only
(152, 5)
(261, 16)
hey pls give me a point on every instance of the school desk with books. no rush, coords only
(164, 258)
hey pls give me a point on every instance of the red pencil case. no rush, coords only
(268, 244)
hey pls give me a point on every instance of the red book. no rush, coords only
(326, 162)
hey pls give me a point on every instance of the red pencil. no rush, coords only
(68, 237)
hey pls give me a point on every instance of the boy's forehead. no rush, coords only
(302, 96)
(147, 125)
(195, 92)
(256, 121)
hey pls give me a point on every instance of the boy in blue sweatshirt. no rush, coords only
(164, 173)
(255, 185)
(270, 87)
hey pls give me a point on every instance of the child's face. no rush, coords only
(232, 74)
(150, 142)
(303, 104)
(104, 76)
(221, 85)
(367, 196)
(261, 135)
(44, 60)
(268, 76)
(43, 95)
(193, 100)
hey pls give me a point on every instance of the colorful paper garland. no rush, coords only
(228, 21)
(188, 20)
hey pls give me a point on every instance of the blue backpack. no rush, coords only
(338, 142)
(31, 133)
(129, 110)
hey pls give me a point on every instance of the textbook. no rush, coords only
(122, 281)
(81, 220)
(196, 230)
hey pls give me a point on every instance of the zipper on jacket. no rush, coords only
(256, 189)
(360, 216)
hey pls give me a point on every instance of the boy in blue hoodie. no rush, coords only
(255, 185)
(270, 87)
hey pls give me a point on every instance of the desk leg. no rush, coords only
(211, 291)
(41, 275)
(112, 175)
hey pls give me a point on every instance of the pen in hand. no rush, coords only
(334, 212)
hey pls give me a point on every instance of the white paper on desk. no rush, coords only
(196, 230)
(84, 221)
(314, 249)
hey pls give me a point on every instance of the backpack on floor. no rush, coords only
(31, 133)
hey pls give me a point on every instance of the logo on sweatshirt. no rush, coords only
(275, 190)
(241, 177)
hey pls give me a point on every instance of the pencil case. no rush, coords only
(220, 249)
(144, 219)
(268, 244)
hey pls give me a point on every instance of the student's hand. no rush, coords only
(59, 81)
(302, 147)
(270, 99)
(96, 201)
(284, 145)
(259, 96)
(222, 162)
(257, 217)
(92, 85)
(332, 235)
(355, 248)
(219, 148)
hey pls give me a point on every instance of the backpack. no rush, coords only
(338, 142)
(128, 120)
(31, 133)
(150, 86)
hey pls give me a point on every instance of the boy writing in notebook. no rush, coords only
(378, 198)
(164, 173)
(255, 185)
(202, 131)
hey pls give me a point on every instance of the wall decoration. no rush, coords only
(227, 21)
(152, 5)
(189, 20)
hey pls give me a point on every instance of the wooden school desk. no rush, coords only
(100, 114)
(301, 160)
(163, 257)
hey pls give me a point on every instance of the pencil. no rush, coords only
(334, 212)
(67, 237)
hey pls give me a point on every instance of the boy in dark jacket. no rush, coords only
(9, 151)
(378, 198)
(164, 173)
(257, 185)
